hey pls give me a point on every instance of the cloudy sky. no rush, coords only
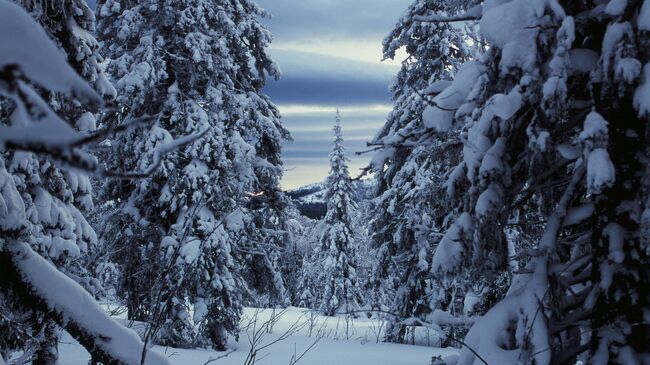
(330, 52)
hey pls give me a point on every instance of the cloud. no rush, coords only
(296, 62)
(305, 90)
(332, 19)
(309, 78)
(348, 29)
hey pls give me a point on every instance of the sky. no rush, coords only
(330, 55)
(329, 52)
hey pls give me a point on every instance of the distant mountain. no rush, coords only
(310, 199)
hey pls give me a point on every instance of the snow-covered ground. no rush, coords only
(332, 341)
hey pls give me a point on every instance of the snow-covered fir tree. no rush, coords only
(57, 199)
(410, 168)
(192, 229)
(339, 290)
(42, 231)
(551, 193)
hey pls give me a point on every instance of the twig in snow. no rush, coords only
(213, 359)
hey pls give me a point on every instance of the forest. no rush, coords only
(503, 216)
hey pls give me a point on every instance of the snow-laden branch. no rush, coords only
(35, 127)
(158, 155)
(472, 14)
(74, 309)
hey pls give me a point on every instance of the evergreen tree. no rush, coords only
(42, 232)
(336, 254)
(196, 67)
(410, 168)
(57, 199)
(552, 188)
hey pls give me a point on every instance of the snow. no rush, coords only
(470, 302)
(521, 53)
(448, 253)
(490, 4)
(190, 251)
(440, 117)
(627, 69)
(616, 235)
(86, 123)
(343, 343)
(505, 106)
(600, 171)
(65, 296)
(493, 161)
(48, 129)
(456, 175)
(555, 85)
(511, 27)
(235, 220)
(616, 7)
(517, 310)
(613, 36)
(643, 20)
(488, 202)
(501, 22)
(642, 92)
(26, 44)
(541, 142)
(501, 106)
(437, 87)
(595, 126)
(578, 214)
(12, 207)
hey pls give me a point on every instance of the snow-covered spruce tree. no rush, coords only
(340, 292)
(58, 199)
(41, 233)
(195, 67)
(410, 166)
(554, 121)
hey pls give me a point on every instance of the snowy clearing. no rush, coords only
(358, 346)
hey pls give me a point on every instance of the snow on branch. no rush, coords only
(473, 13)
(35, 127)
(159, 153)
(27, 49)
(73, 308)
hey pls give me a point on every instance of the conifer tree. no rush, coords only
(57, 199)
(554, 124)
(195, 67)
(42, 232)
(410, 168)
(336, 255)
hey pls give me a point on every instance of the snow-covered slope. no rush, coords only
(310, 199)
